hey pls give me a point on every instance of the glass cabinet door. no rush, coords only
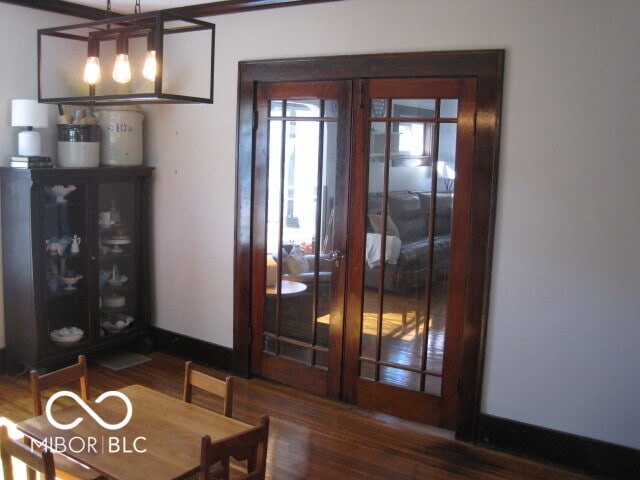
(116, 258)
(67, 308)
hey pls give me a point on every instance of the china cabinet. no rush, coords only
(75, 261)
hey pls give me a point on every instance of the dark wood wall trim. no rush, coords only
(593, 457)
(3, 361)
(487, 67)
(239, 6)
(65, 8)
(200, 10)
(204, 353)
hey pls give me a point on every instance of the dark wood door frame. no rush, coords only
(485, 65)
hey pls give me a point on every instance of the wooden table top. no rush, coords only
(287, 288)
(166, 432)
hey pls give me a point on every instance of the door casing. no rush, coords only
(487, 67)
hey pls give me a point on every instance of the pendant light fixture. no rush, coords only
(121, 68)
(92, 74)
(150, 63)
(157, 57)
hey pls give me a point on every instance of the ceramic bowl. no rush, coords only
(66, 335)
(117, 323)
(70, 281)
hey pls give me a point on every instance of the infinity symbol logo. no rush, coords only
(89, 410)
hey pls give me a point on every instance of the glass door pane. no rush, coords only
(66, 265)
(409, 214)
(301, 192)
(118, 244)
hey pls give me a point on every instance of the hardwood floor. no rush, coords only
(314, 438)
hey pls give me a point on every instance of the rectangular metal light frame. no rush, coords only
(135, 26)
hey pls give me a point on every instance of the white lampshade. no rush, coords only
(30, 114)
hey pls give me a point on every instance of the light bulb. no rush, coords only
(121, 69)
(92, 71)
(149, 70)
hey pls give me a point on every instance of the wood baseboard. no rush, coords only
(593, 457)
(188, 348)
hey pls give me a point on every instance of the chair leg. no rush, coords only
(31, 472)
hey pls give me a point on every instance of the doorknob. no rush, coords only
(334, 256)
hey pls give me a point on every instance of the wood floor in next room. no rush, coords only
(314, 438)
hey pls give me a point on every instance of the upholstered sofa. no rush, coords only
(409, 213)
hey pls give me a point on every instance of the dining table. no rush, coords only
(161, 439)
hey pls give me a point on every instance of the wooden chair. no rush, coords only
(10, 448)
(250, 445)
(57, 378)
(223, 389)
(66, 468)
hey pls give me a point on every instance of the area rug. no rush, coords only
(119, 360)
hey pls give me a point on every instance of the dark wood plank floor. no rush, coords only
(314, 438)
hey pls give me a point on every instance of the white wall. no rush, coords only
(18, 61)
(564, 318)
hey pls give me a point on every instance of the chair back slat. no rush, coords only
(57, 378)
(215, 386)
(41, 461)
(251, 444)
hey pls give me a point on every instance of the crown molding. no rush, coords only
(62, 7)
(200, 10)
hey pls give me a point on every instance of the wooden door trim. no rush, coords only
(487, 67)
(460, 240)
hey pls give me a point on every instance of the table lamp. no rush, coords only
(30, 114)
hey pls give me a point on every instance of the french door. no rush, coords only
(408, 244)
(300, 233)
(337, 164)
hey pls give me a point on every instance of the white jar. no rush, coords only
(121, 135)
